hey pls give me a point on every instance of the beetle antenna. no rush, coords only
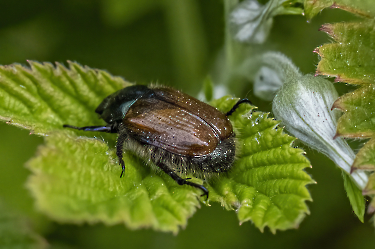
(91, 128)
(237, 105)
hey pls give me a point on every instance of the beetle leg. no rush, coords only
(92, 128)
(120, 149)
(237, 105)
(181, 181)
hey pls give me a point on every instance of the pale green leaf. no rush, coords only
(15, 232)
(268, 172)
(267, 182)
(43, 98)
(76, 179)
(365, 8)
(355, 196)
(351, 58)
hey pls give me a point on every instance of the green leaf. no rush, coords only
(267, 182)
(290, 7)
(147, 199)
(365, 159)
(351, 58)
(15, 232)
(76, 178)
(355, 196)
(365, 8)
(370, 190)
(42, 98)
(359, 118)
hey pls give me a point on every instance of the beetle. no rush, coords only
(176, 132)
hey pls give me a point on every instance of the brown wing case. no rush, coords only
(208, 113)
(170, 127)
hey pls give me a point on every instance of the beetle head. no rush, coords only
(115, 106)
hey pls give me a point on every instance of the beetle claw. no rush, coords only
(201, 187)
(205, 192)
(122, 172)
(237, 105)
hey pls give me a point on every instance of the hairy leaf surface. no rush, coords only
(359, 118)
(78, 180)
(43, 98)
(267, 184)
(363, 8)
(351, 59)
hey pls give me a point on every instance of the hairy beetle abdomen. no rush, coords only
(205, 166)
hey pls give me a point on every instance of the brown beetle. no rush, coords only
(176, 132)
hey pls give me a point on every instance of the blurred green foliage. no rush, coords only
(174, 43)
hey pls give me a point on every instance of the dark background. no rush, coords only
(174, 43)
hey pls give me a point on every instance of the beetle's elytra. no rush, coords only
(174, 131)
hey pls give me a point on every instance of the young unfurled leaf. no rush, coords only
(76, 178)
(365, 8)
(304, 105)
(43, 98)
(269, 71)
(251, 21)
(15, 232)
